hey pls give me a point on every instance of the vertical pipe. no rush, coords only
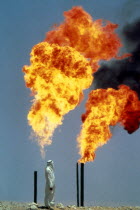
(77, 183)
(35, 186)
(82, 184)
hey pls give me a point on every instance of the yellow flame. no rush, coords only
(57, 77)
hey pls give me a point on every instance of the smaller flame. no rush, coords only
(107, 107)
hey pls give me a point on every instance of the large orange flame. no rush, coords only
(107, 107)
(62, 66)
(94, 39)
(57, 76)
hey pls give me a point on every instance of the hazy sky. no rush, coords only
(114, 177)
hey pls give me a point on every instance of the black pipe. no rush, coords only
(77, 183)
(82, 184)
(35, 186)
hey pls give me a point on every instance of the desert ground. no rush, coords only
(7, 205)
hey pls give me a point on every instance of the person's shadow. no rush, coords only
(44, 207)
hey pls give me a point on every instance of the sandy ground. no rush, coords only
(7, 205)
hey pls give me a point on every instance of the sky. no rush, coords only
(113, 178)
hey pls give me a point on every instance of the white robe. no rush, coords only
(50, 183)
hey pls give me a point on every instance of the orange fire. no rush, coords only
(57, 76)
(96, 40)
(107, 107)
(61, 68)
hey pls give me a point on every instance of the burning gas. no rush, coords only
(57, 76)
(107, 107)
(61, 68)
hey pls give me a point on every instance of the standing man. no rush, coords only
(50, 185)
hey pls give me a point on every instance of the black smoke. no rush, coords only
(126, 71)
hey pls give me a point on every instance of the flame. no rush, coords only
(57, 76)
(96, 40)
(107, 107)
(61, 68)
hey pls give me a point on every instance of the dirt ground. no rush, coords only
(7, 205)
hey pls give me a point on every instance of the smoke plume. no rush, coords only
(126, 71)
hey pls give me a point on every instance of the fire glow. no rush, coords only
(61, 67)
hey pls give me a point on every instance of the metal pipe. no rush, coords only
(82, 184)
(77, 183)
(35, 186)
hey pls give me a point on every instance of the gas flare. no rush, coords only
(61, 67)
(107, 107)
(95, 39)
(57, 77)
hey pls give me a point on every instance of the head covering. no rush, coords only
(50, 163)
